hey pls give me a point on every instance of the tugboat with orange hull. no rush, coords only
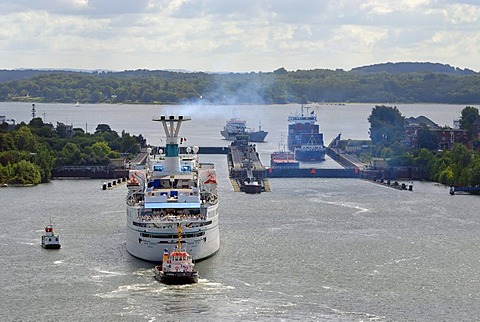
(177, 267)
(50, 239)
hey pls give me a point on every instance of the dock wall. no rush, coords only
(313, 173)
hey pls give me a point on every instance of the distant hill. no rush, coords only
(406, 67)
(390, 82)
(17, 74)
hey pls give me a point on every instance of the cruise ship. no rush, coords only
(167, 191)
(304, 137)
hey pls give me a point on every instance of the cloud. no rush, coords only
(247, 35)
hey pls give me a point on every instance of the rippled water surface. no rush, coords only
(310, 250)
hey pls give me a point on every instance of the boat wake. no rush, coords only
(199, 289)
(398, 261)
(127, 290)
(105, 274)
(362, 316)
(359, 209)
(27, 243)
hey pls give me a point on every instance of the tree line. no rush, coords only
(277, 87)
(459, 166)
(30, 152)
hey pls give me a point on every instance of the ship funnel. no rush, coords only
(171, 126)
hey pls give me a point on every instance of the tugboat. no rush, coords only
(50, 238)
(177, 267)
(251, 184)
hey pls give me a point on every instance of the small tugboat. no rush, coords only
(252, 186)
(177, 266)
(50, 238)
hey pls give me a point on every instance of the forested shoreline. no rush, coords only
(277, 87)
(30, 152)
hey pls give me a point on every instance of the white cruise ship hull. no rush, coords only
(149, 243)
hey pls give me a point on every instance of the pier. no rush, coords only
(353, 167)
(246, 172)
(466, 190)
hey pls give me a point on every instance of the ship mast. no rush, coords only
(171, 126)
(179, 241)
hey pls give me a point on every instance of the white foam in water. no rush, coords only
(349, 205)
(26, 243)
(109, 273)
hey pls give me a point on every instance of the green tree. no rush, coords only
(427, 139)
(45, 160)
(99, 152)
(25, 172)
(71, 154)
(25, 140)
(6, 173)
(468, 115)
(7, 142)
(386, 126)
(102, 128)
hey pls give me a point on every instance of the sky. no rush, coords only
(236, 35)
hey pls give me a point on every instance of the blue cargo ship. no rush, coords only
(304, 137)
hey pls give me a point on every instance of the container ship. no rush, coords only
(304, 137)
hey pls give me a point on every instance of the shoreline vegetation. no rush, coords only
(391, 82)
(459, 165)
(30, 153)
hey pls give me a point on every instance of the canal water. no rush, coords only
(313, 249)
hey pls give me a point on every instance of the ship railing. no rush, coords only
(169, 217)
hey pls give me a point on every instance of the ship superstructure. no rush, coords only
(168, 191)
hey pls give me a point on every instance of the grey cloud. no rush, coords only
(76, 7)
